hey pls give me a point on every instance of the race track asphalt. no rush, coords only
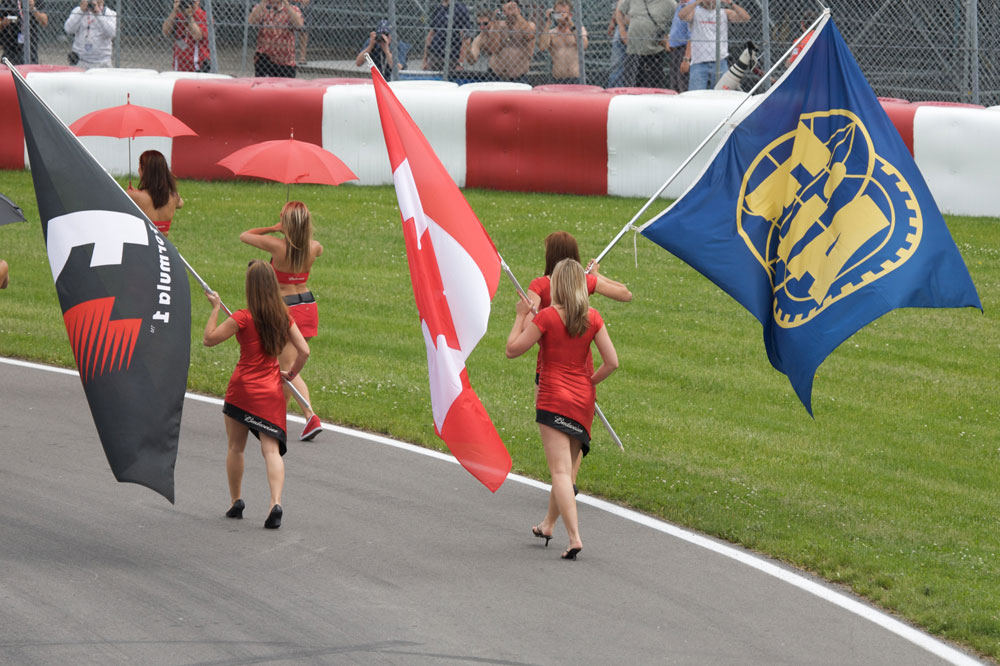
(385, 556)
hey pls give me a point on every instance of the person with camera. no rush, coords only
(276, 21)
(378, 48)
(187, 24)
(477, 60)
(560, 41)
(93, 27)
(648, 23)
(701, 15)
(12, 35)
(512, 43)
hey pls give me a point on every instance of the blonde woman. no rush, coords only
(564, 406)
(255, 400)
(292, 256)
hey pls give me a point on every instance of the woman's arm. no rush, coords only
(258, 238)
(301, 355)
(607, 287)
(609, 357)
(216, 333)
(523, 334)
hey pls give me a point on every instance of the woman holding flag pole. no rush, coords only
(255, 399)
(561, 245)
(292, 256)
(565, 400)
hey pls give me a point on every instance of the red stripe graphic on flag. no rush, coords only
(99, 343)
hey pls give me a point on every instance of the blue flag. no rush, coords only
(814, 216)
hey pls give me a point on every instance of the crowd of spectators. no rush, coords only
(651, 43)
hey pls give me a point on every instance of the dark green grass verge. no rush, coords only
(892, 490)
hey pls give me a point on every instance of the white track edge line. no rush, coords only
(887, 622)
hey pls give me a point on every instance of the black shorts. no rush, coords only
(256, 425)
(566, 425)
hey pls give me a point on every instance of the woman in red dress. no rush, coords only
(255, 401)
(292, 255)
(565, 400)
(561, 245)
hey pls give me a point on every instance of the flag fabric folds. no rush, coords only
(813, 215)
(125, 299)
(455, 270)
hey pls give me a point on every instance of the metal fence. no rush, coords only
(944, 50)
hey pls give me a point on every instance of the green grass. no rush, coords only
(892, 490)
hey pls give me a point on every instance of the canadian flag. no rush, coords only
(455, 271)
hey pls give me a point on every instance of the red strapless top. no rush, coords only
(290, 278)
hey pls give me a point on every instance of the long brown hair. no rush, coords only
(569, 289)
(296, 224)
(270, 314)
(156, 177)
(559, 245)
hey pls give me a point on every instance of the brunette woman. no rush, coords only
(293, 252)
(157, 195)
(255, 400)
(565, 399)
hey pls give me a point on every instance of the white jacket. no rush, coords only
(93, 35)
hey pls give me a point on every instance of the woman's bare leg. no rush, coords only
(560, 450)
(236, 434)
(275, 467)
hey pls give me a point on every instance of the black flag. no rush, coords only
(124, 296)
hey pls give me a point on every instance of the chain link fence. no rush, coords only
(939, 50)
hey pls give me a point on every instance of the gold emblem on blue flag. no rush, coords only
(813, 215)
(825, 215)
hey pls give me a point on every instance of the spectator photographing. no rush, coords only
(93, 27)
(560, 42)
(276, 21)
(511, 43)
(477, 59)
(12, 35)
(187, 24)
(701, 16)
(379, 47)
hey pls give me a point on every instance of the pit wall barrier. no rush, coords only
(496, 136)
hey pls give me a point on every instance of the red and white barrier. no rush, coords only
(567, 139)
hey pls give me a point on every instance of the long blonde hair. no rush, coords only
(569, 289)
(270, 314)
(296, 224)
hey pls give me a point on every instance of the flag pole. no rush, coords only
(597, 408)
(141, 215)
(766, 77)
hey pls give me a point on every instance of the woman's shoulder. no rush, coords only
(595, 317)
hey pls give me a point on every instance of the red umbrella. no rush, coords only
(289, 161)
(130, 120)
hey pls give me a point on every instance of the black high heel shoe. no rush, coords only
(541, 535)
(273, 521)
(570, 554)
(236, 510)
